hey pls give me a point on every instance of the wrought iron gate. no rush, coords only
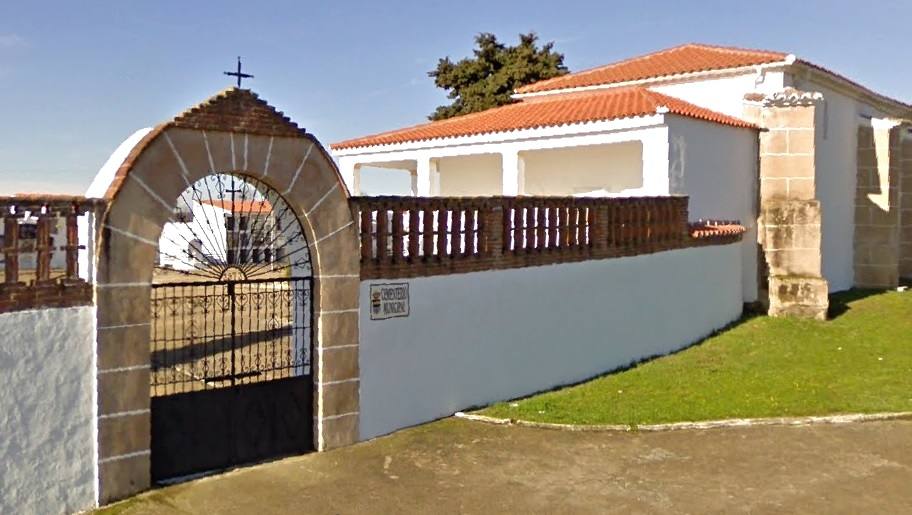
(230, 341)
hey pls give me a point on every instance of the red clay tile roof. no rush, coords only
(241, 206)
(548, 111)
(672, 61)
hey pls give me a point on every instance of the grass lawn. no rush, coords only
(858, 362)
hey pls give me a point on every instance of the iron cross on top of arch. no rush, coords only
(240, 75)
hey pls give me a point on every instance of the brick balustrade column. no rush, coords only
(11, 248)
(72, 243)
(493, 226)
(43, 246)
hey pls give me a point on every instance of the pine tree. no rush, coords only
(488, 79)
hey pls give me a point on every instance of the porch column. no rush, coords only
(413, 174)
(351, 174)
(656, 177)
(426, 181)
(513, 174)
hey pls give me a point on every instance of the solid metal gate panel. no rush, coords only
(231, 378)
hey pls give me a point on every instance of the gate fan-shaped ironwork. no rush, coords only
(231, 329)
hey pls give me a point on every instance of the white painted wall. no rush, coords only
(836, 144)
(835, 158)
(208, 224)
(716, 165)
(724, 94)
(468, 176)
(47, 426)
(569, 171)
(472, 339)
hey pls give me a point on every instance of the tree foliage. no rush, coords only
(488, 79)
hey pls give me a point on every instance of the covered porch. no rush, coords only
(616, 158)
(617, 142)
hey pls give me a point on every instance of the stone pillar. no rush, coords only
(905, 205)
(514, 174)
(790, 239)
(877, 204)
(790, 216)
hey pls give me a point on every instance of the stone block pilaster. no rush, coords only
(905, 206)
(790, 216)
(791, 242)
(878, 234)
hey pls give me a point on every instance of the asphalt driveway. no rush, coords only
(458, 466)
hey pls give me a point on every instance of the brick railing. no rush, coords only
(420, 236)
(715, 232)
(40, 251)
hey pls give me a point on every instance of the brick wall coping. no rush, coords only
(424, 236)
(716, 230)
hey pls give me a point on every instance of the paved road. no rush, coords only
(457, 466)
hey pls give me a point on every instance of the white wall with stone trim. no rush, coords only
(47, 425)
(476, 338)
(716, 165)
(724, 94)
(835, 158)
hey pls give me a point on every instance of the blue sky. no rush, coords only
(76, 78)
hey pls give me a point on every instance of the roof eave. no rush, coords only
(664, 79)
(837, 82)
(559, 130)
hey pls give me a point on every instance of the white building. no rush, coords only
(684, 120)
(213, 231)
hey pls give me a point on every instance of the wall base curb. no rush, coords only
(708, 424)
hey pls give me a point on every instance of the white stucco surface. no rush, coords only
(836, 144)
(724, 94)
(570, 171)
(716, 166)
(473, 175)
(835, 156)
(47, 448)
(108, 170)
(472, 339)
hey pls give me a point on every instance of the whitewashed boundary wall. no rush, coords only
(47, 423)
(476, 338)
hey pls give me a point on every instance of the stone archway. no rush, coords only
(235, 132)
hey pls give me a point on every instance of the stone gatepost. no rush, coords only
(905, 205)
(878, 221)
(790, 216)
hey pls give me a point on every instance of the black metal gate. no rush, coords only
(231, 330)
(231, 378)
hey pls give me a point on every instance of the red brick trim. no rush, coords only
(59, 294)
(130, 160)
